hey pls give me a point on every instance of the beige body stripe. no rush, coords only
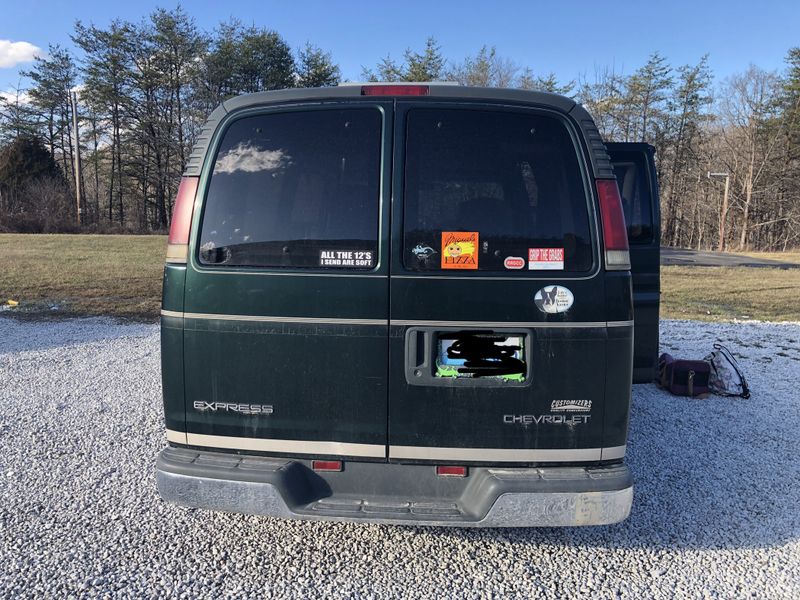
(229, 442)
(396, 452)
(613, 453)
(179, 437)
(397, 322)
(494, 454)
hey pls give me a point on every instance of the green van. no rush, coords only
(401, 304)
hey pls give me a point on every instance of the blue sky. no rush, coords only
(566, 38)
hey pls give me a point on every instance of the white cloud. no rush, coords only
(11, 97)
(14, 53)
(250, 159)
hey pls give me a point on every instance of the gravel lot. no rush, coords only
(716, 511)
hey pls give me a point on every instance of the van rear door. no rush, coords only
(498, 314)
(286, 322)
(634, 166)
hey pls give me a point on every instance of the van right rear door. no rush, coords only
(634, 166)
(498, 323)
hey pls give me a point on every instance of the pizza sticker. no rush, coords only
(546, 259)
(459, 250)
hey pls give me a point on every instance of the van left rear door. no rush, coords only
(286, 322)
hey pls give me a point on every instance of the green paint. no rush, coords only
(450, 371)
(446, 371)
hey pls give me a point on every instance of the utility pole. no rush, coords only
(77, 161)
(724, 212)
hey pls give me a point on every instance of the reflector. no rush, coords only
(326, 465)
(451, 471)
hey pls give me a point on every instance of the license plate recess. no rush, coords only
(479, 357)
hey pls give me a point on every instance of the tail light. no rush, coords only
(178, 243)
(394, 90)
(615, 233)
(451, 471)
(326, 465)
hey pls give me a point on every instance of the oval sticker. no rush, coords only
(553, 299)
(514, 262)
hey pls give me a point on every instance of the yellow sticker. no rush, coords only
(459, 249)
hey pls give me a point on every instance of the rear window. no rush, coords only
(295, 189)
(491, 190)
(631, 169)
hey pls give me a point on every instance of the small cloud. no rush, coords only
(14, 97)
(250, 159)
(15, 53)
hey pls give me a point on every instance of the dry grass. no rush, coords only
(121, 276)
(117, 275)
(726, 293)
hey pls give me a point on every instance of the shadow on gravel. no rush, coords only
(23, 334)
(709, 474)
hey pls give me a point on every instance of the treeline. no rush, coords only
(145, 89)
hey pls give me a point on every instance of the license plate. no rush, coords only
(473, 354)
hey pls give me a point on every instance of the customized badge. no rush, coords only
(459, 250)
(553, 299)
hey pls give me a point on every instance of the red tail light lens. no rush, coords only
(326, 465)
(615, 232)
(182, 213)
(451, 471)
(178, 243)
(395, 90)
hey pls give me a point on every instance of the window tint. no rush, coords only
(295, 189)
(493, 191)
(631, 170)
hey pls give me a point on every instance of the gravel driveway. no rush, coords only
(716, 510)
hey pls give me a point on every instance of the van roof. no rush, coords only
(598, 156)
(436, 89)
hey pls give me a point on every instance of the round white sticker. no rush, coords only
(553, 299)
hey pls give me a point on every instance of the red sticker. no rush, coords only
(546, 259)
(514, 262)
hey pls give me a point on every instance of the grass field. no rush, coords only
(116, 275)
(121, 276)
(725, 293)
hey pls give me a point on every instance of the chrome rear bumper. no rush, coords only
(396, 493)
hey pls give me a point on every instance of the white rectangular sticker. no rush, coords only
(546, 259)
(346, 258)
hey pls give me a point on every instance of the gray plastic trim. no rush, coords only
(598, 154)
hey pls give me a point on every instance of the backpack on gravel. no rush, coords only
(726, 378)
(684, 377)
